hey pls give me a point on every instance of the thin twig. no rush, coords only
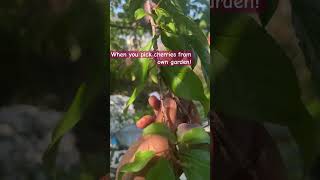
(155, 48)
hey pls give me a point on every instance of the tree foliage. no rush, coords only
(255, 79)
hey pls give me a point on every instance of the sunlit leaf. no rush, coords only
(141, 159)
(133, 96)
(134, 5)
(139, 14)
(191, 32)
(159, 129)
(185, 83)
(161, 12)
(194, 136)
(202, 52)
(203, 24)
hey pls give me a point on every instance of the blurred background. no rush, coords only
(128, 34)
(47, 49)
(294, 30)
(284, 28)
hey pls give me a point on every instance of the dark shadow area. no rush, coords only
(47, 50)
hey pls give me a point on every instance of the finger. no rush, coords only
(155, 104)
(170, 106)
(145, 121)
(156, 143)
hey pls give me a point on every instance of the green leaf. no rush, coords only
(187, 26)
(177, 42)
(267, 13)
(257, 80)
(174, 42)
(172, 27)
(194, 60)
(165, 21)
(194, 136)
(133, 96)
(84, 97)
(314, 109)
(142, 73)
(196, 164)
(184, 83)
(183, 32)
(191, 32)
(141, 159)
(203, 53)
(134, 5)
(139, 14)
(177, 5)
(161, 12)
(162, 170)
(159, 129)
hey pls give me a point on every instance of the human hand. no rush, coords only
(166, 112)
